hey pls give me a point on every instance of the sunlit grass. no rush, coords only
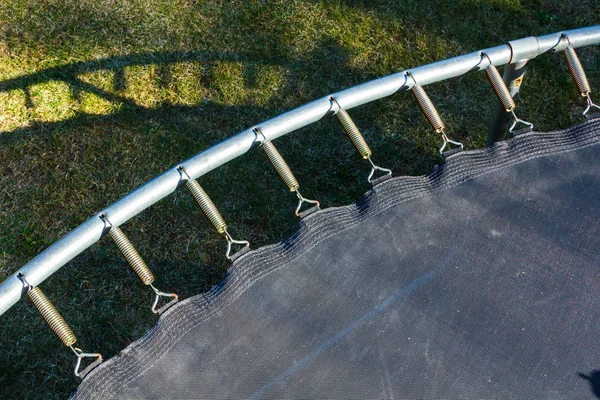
(52, 102)
(14, 112)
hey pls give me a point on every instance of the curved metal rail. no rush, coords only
(88, 233)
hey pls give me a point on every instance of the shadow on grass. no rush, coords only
(162, 62)
(70, 73)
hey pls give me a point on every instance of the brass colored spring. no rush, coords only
(357, 138)
(131, 255)
(52, 316)
(577, 71)
(280, 166)
(207, 205)
(428, 108)
(500, 88)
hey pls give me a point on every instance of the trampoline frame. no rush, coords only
(88, 233)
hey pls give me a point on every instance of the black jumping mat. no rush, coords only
(478, 280)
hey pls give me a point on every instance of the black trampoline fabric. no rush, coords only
(479, 280)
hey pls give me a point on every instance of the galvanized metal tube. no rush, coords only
(78, 240)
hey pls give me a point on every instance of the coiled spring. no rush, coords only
(280, 166)
(503, 94)
(284, 171)
(500, 87)
(212, 213)
(131, 255)
(357, 138)
(428, 108)
(207, 205)
(52, 316)
(577, 72)
(432, 115)
(359, 142)
(137, 264)
(579, 77)
(59, 326)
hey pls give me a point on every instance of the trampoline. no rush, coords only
(477, 280)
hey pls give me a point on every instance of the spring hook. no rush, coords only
(211, 211)
(302, 200)
(283, 170)
(160, 294)
(59, 326)
(359, 142)
(137, 263)
(578, 74)
(503, 93)
(80, 356)
(432, 115)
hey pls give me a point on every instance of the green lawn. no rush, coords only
(97, 97)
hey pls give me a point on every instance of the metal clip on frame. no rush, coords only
(284, 171)
(359, 142)
(59, 326)
(211, 211)
(503, 93)
(579, 76)
(432, 115)
(138, 265)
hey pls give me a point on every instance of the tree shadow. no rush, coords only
(71, 74)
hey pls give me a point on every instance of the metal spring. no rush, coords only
(280, 166)
(500, 88)
(52, 316)
(357, 138)
(577, 71)
(131, 255)
(428, 108)
(207, 205)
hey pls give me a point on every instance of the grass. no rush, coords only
(97, 97)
